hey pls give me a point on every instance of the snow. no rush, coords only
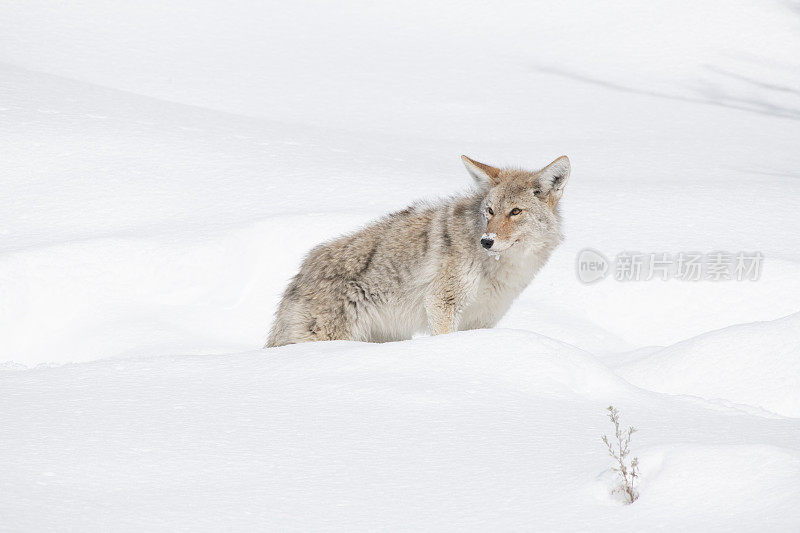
(165, 168)
(754, 364)
(342, 435)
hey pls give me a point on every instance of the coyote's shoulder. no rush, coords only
(437, 267)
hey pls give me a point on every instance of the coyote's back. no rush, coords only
(436, 267)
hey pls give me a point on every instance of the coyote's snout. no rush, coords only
(435, 267)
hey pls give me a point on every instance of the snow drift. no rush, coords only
(754, 364)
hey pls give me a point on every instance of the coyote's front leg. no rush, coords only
(443, 304)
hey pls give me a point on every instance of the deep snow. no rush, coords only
(164, 169)
(442, 433)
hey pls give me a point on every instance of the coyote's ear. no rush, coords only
(553, 178)
(482, 174)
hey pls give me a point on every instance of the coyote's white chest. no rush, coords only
(497, 288)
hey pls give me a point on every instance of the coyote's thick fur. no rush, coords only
(436, 267)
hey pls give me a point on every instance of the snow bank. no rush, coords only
(756, 364)
(478, 430)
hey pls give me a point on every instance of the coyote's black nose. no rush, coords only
(487, 243)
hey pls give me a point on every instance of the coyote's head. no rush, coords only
(520, 205)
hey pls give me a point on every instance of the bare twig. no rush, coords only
(628, 470)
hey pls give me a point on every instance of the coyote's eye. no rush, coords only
(515, 211)
(489, 210)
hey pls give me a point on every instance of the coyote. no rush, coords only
(436, 267)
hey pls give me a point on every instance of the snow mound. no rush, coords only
(491, 429)
(514, 361)
(756, 364)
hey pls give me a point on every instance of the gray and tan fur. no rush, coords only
(432, 267)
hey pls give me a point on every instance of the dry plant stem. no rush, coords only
(627, 473)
